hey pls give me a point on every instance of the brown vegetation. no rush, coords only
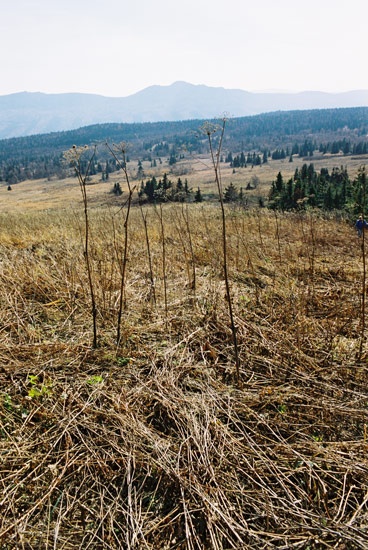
(151, 444)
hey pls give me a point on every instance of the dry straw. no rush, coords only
(151, 445)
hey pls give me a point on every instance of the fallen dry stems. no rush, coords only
(152, 446)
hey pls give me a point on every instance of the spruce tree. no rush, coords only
(198, 196)
(231, 193)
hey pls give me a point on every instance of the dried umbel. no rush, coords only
(73, 155)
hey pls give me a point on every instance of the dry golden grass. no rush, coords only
(151, 445)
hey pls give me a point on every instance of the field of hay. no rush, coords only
(154, 443)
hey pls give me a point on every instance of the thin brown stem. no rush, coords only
(121, 149)
(215, 157)
(363, 181)
(149, 255)
(74, 157)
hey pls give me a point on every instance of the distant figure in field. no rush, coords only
(360, 224)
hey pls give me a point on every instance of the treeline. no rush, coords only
(242, 160)
(40, 156)
(323, 189)
(344, 146)
(306, 149)
(30, 168)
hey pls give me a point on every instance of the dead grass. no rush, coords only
(151, 445)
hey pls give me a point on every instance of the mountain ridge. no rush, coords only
(28, 113)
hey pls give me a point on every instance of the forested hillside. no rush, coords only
(294, 132)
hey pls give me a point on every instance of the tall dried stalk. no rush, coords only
(74, 157)
(260, 231)
(120, 150)
(149, 255)
(312, 254)
(180, 234)
(209, 130)
(241, 241)
(159, 213)
(363, 182)
(184, 235)
(278, 234)
(187, 224)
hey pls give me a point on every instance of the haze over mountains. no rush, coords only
(28, 113)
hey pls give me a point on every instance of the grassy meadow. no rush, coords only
(153, 443)
(52, 194)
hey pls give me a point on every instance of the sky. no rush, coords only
(117, 47)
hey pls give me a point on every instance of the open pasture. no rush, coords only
(41, 195)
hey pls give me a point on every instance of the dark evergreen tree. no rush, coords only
(231, 193)
(328, 199)
(187, 189)
(198, 196)
(335, 149)
(346, 147)
(360, 192)
(140, 171)
(172, 159)
(148, 189)
(236, 162)
(279, 183)
(117, 190)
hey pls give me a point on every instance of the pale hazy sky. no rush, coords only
(118, 47)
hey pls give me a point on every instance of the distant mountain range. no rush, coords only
(29, 113)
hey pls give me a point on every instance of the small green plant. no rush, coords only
(8, 403)
(95, 379)
(12, 407)
(123, 361)
(282, 409)
(37, 389)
